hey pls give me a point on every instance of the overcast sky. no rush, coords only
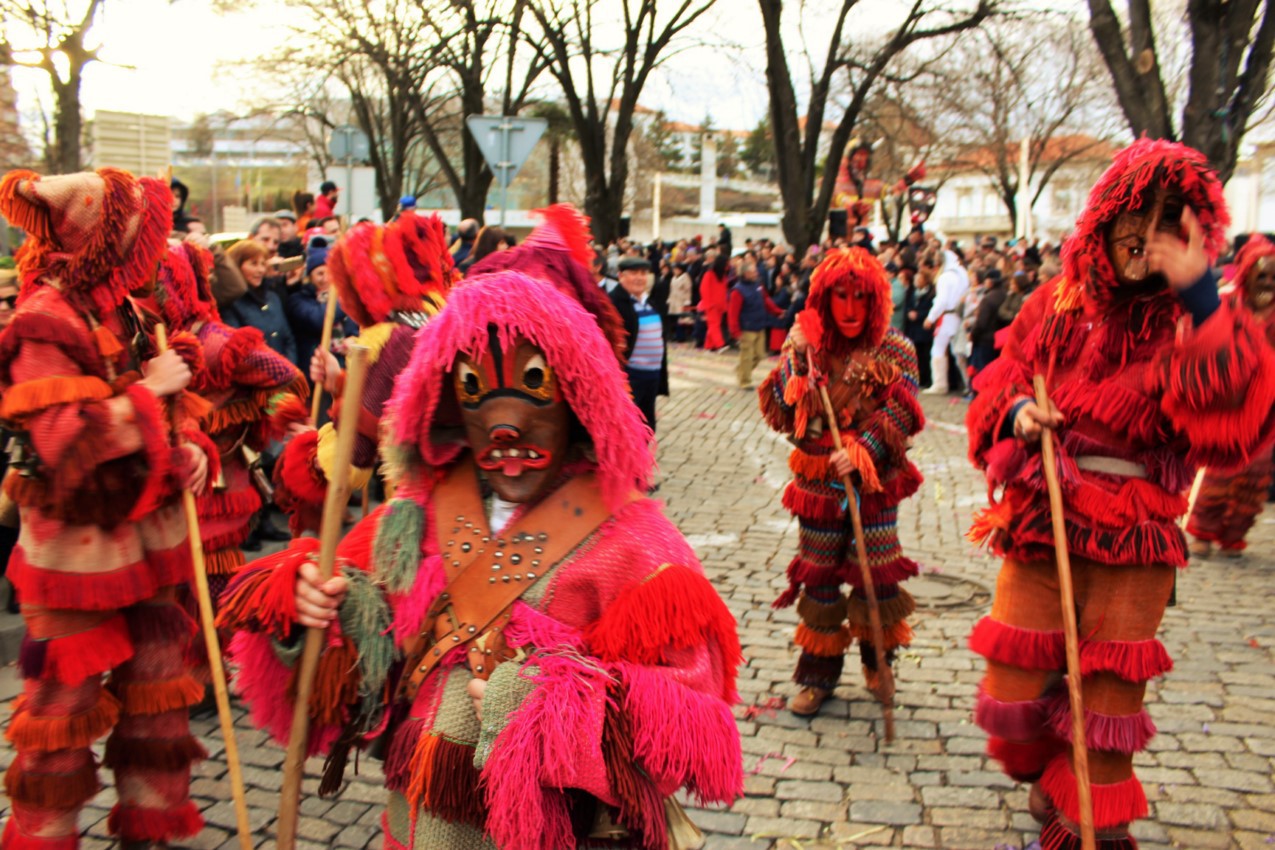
(181, 55)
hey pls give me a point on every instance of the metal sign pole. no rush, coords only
(505, 130)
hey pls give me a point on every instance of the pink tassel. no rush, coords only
(682, 737)
(262, 681)
(529, 627)
(1128, 733)
(411, 608)
(1132, 660)
(1013, 721)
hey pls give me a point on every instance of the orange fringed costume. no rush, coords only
(103, 546)
(873, 387)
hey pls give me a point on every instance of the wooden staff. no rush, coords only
(886, 696)
(213, 647)
(338, 495)
(1079, 748)
(1193, 496)
(325, 342)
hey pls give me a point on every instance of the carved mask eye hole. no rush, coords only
(470, 387)
(537, 379)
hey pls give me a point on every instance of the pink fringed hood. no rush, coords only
(1144, 166)
(427, 426)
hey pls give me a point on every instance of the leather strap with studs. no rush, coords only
(488, 572)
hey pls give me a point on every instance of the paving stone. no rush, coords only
(885, 812)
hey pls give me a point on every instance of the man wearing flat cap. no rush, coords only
(644, 350)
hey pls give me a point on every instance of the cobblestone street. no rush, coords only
(831, 782)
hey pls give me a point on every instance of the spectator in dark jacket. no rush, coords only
(259, 307)
(987, 322)
(307, 306)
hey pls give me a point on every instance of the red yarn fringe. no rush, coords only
(45, 734)
(74, 658)
(1132, 660)
(1114, 805)
(444, 781)
(35, 395)
(14, 839)
(132, 823)
(1025, 761)
(675, 608)
(51, 790)
(336, 683)
(825, 644)
(1027, 648)
(300, 487)
(1055, 835)
(263, 597)
(147, 698)
(152, 753)
(1127, 733)
(152, 421)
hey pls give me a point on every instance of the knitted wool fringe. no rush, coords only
(641, 807)
(336, 683)
(1026, 648)
(444, 781)
(147, 698)
(822, 643)
(1133, 660)
(821, 615)
(33, 733)
(35, 395)
(1025, 762)
(73, 658)
(51, 790)
(1014, 721)
(14, 839)
(1055, 835)
(152, 754)
(896, 608)
(674, 609)
(1114, 805)
(895, 635)
(133, 823)
(1127, 733)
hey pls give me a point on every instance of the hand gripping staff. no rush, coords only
(886, 695)
(338, 495)
(1079, 748)
(213, 647)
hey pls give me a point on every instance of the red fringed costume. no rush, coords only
(873, 386)
(609, 680)
(1230, 501)
(390, 280)
(1148, 390)
(254, 393)
(103, 544)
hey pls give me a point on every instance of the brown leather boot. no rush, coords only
(808, 702)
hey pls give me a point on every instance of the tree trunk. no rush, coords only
(603, 207)
(555, 168)
(68, 123)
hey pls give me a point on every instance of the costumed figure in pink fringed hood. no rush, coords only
(1151, 376)
(390, 280)
(872, 374)
(255, 394)
(103, 550)
(1231, 500)
(566, 666)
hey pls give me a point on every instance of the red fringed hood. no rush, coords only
(98, 234)
(425, 415)
(183, 291)
(558, 251)
(859, 271)
(403, 266)
(1254, 249)
(1145, 165)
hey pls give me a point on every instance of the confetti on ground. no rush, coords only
(765, 709)
(705, 415)
(1253, 643)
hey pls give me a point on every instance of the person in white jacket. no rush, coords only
(951, 284)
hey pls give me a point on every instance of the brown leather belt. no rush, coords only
(487, 572)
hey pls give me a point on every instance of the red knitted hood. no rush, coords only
(427, 425)
(403, 266)
(860, 271)
(98, 234)
(1145, 165)
(183, 291)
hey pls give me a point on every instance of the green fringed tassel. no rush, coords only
(365, 620)
(397, 550)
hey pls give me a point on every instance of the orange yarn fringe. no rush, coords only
(818, 468)
(826, 644)
(336, 684)
(895, 635)
(223, 562)
(33, 733)
(148, 698)
(989, 524)
(35, 395)
(107, 343)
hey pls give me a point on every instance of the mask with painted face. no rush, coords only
(515, 418)
(849, 311)
(1259, 289)
(1132, 229)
